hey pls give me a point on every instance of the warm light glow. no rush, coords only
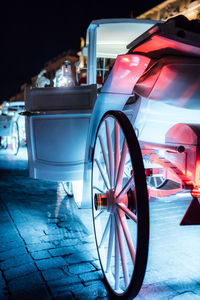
(126, 59)
(125, 73)
(197, 177)
(196, 192)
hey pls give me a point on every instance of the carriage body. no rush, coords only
(58, 120)
(158, 79)
(143, 124)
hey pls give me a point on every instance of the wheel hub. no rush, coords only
(105, 201)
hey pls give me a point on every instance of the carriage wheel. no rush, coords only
(156, 182)
(67, 187)
(120, 206)
(15, 138)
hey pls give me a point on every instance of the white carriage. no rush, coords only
(12, 125)
(90, 137)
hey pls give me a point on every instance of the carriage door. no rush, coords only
(57, 121)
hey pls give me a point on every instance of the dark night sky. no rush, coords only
(34, 32)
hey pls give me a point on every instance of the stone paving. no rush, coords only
(47, 248)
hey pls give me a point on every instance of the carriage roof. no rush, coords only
(113, 35)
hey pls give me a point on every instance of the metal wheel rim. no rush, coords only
(118, 243)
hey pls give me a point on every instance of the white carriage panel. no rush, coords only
(56, 127)
(60, 139)
(57, 146)
(155, 118)
(56, 173)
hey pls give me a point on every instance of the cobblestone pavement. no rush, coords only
(47, 248)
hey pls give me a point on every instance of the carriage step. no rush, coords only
(192, 214)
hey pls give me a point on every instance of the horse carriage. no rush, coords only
(12, 125)
(136, 136)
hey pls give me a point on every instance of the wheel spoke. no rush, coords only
(101, 212)
(110, 153)
(105, 233)
(125, 189)
(116, 258)
(117, 150)
(98, 189)
(127, 211)
(110, 243)
(122, 251)
(127, 234)
(104, 155)
(155, 181)
(118, 183)
(101, 172)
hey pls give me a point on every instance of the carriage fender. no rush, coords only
(125, 73)
(104, 102)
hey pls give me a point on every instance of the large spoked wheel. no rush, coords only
(15, 138)
(120, 206)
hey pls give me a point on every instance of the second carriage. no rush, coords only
(12, 126)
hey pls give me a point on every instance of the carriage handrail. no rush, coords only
(29, 113)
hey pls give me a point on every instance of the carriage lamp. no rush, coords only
(66, 75)
(66, 70)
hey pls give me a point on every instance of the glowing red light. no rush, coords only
(197, 179)
(157, 42)
(195, 192)
(126, 59)
(66, 69)
(153, 30)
